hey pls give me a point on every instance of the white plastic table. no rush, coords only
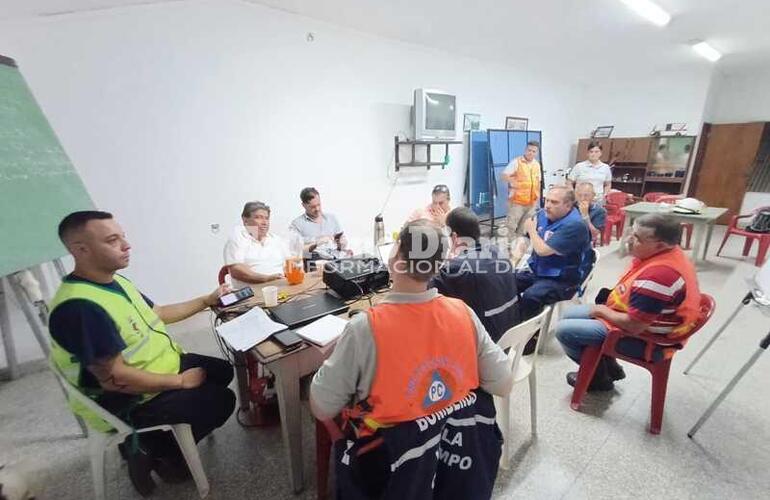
(703, 223)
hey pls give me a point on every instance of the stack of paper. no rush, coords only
(323, 331)
(248, 330)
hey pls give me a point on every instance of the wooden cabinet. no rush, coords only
(582, 149)
(630, 150)
(638, 150)
(635, 163)
(619, 150)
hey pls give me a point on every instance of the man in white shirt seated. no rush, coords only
(253, 254)
(321, 233)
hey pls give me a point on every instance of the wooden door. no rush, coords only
(721, 173)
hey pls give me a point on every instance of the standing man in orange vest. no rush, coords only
(658, 293)
(407, 364)
(523, 177)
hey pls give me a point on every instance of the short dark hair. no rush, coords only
(666, 229)
(441, 189)
(463, 222)
(534, 143)
(76, 221)
(414, 241)
(308, 194)
(594, 144)
(252, 206)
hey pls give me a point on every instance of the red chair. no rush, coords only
(619, 198)
(658, 369)
(615, 216)
(653, 197)
(326, 434)
(223, 274)
(763, 238)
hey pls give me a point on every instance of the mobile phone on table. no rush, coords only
(231, 298)
(288, 339)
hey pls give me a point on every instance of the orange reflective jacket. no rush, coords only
(527, 179)
(680, 321)
(426, 360)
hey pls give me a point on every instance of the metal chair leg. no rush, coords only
(745, 301)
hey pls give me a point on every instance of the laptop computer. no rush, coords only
(299, 312)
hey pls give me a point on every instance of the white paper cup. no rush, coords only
(270, 295)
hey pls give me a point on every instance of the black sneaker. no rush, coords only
(529, 348)
(139, 468)
(614, 370)
(172, 470)
(596, 385)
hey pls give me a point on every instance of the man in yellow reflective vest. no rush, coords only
(110, 341)
(523, 177)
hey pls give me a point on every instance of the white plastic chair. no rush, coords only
(98, 442)
(522, 367)
(579, 298)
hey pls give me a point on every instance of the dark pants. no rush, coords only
(205, 408)
(536, 293)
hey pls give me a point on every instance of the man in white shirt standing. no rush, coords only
(252, 253)
(593, 170)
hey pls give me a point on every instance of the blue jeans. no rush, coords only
(577, 330)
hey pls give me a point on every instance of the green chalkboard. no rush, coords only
(38, 184)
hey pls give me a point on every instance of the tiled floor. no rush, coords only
(603, 451)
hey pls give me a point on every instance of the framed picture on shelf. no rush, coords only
(603, 131)
(516, 123)
(471, 121)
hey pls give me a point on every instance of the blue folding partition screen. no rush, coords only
(479, 197)
(489, 154)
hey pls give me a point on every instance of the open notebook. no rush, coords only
(323, 331)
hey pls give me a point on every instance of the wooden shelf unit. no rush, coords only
(665, 180)
(637, 157)
(398, 144)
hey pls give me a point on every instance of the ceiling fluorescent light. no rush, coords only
(650, 11)
(705, 50)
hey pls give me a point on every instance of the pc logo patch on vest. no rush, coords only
(437, 392)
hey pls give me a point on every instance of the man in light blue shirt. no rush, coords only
(321, 233)
(594, 215)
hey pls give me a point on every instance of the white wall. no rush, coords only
(742, 97)
(175, 114)
(634, 105)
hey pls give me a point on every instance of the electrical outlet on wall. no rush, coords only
(214, 228)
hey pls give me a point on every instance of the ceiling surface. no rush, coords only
(585, 37)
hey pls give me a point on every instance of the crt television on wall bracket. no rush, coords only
(435, 115)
